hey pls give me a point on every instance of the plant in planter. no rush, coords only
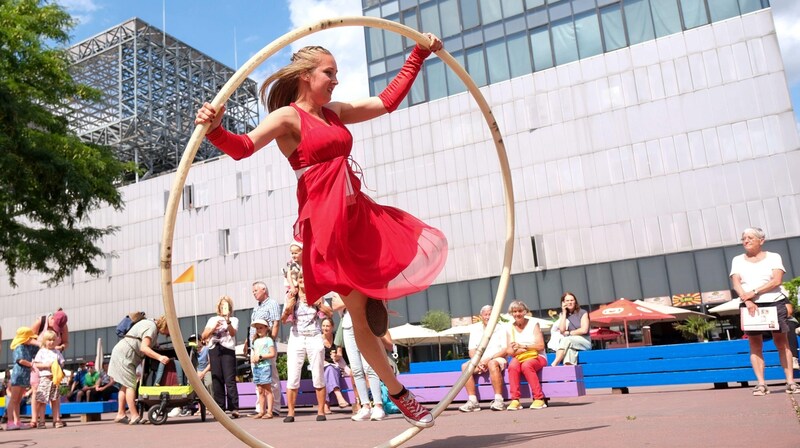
(694, 327)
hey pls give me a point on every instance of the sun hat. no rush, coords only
(259, 322)
(59, 320)
(24, 334)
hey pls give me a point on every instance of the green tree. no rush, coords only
(694, 327)
(436, 320)
(49, 179)
(791, 287)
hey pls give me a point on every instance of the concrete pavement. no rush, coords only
(685, 416)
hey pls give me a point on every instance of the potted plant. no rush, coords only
(694, 326)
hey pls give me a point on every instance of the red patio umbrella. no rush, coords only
(623, 311)
(603, 334)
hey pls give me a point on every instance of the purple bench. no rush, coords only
(557, 382)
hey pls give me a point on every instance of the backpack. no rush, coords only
(124, 326)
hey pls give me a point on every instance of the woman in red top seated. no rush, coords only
(361, 250)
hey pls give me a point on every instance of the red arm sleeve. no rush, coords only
(394, 93)
(236, 146)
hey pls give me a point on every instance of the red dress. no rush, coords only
(349, 241)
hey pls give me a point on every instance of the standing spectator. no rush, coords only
(525, 343)
(305, 341)
(25, 346)
(221, 331)
(268, 310)
(263, 351)
(127, 355)
(105, 385)
(49, 361)
(573, 324)
(493, 361)
(757, 276)
(58, 323)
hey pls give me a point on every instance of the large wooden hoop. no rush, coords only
(191, 150)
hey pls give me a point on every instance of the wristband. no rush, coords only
(236, 146)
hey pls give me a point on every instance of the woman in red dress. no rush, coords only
(361, 250)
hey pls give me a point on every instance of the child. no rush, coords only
(25, 346)
(263, 350)
(49, 362)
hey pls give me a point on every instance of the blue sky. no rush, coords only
(210, 26)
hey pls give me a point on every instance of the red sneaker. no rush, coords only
(415, 413)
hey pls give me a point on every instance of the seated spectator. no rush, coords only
(492, 361)
(573, 324)
(333, 367)
(105, 386)
(76, 383)
(89, 380)
(526, 346)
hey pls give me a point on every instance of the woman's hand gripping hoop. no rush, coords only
(194, 143)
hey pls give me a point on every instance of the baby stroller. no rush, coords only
(157, 400)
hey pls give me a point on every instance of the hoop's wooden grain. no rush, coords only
(186, 162)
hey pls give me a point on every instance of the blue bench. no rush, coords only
(719, 363)
(89, 411)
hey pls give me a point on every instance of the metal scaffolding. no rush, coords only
(151, 86)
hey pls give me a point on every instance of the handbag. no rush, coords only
(522, 357)
(765, 319)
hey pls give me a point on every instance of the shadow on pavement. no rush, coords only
(491, 440)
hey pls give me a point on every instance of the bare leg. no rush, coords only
(130, 399)
(559, 357)
(121, 403)
(470, 384)
(291, 399)
(321, 402)
(369, 345)
(757, 357)
(496, 375)
(785, 355)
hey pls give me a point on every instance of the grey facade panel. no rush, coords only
(682, 273)
(653, 272)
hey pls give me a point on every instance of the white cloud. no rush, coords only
(80, 10)
(346, 43)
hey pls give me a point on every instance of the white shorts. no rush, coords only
(298, 348)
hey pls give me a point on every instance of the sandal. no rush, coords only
(267, 416)
(261, 415)
(41, 425)
(343, 404)
(124, 420)
(59, 424)
(136, 421)
(760, 390)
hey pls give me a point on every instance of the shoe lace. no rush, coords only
(411, 405)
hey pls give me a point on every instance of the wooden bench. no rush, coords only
(562, 381)
(719, 363)
(89, 411)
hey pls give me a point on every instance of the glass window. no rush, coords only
(587, 29)
(473, 38)
(490, 11)
(378, 84)
(454, 83)
(497, 61)
(476, 66)
(560, 11)
(638, 20)
(537, 19)
(723, 9)
(448, 10)
(515, 25)
(406, 4)
(434, 73)
(540, 45)
(377, 68)
(582, 5)
(410, 20)
(530, 4)
(512, 8)
(453, 44)
(374, 12)
(613, 30)
(389, 8)
(375, 39)
(749, 5)
(393, 42)
(417, 93)
(564, 42)
(430, 19)
(666, 17)
(694, 13)
(395, 62)
(519, 56)
(493, 32)
(469, 14)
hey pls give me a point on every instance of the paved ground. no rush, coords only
(688, 416)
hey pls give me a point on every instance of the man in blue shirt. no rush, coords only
(269, 310)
